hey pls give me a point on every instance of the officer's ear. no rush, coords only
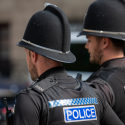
(34, 57)
(105, 42)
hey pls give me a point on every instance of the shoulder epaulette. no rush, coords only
(44, 84)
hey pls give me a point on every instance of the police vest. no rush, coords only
(114, 78)
(65, 105)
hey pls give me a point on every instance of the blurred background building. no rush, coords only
(14, 16)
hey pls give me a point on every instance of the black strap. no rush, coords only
(47, 106)
(41, 87)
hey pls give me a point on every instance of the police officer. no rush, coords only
(54, 97)
(104, 27)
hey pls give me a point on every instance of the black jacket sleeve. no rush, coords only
(100, 85)
(107, 115)
(27, 109)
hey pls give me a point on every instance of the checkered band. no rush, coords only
(77, 101)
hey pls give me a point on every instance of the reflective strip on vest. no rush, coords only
(77, 101)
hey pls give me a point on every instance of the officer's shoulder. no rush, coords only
(40, 86)
(100, 95)
(88, 87)
(45, 84)
(27, 90)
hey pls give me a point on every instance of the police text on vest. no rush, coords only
(79, 113)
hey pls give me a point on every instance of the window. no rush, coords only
(4, 50)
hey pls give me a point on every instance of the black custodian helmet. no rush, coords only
(48, 34)
(105, 18)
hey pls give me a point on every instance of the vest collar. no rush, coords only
(118, 62)
(56, 70)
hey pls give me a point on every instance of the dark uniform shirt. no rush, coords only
(113, 73)
(67, 103)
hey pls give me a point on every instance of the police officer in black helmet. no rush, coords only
(104, 27)
(54, 97)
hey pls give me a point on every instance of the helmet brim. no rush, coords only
(115, 36)
(65, 58)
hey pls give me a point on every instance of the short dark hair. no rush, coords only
(118, 43)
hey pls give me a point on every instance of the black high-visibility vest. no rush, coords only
(69, 105)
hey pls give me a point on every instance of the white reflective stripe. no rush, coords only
(45, 47)
(107, 32)
(76, 101)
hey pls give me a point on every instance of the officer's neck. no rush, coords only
(44, 65)
(108, 55)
